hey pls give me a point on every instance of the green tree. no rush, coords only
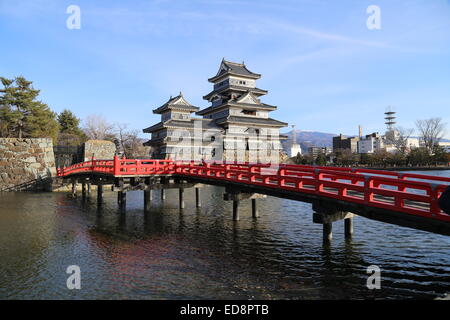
(419, 157)
(321, 159)
(70, 131)
(439, 155)
(21, 114)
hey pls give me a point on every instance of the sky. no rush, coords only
(324, 68)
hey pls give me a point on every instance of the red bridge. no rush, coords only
(404, 199)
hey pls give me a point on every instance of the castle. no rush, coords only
(235, 127)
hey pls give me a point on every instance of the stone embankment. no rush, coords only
(26, 164)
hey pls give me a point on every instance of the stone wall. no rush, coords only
(100, 149)
(26, 164)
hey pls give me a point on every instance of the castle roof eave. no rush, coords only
(252, 121)
(261, 106)
(228, 73)
(255, 91)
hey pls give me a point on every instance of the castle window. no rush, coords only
(249, 112)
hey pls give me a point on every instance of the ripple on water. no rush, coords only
(201, 253)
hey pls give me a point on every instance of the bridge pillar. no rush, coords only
(348, 226)
(99, 194)
(89, 188)
(236, 210)
(327, 232)
(74, 188)
(255, 213)
(147, 199)
(163, 194)
(326, 213)
(83, 190)
(181, 197)
(197, 198)
(122, 200)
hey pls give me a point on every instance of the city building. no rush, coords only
(315, 151)
(235, 127)
(371, 143)
(295, 148)
(341, 142)
(445, 146)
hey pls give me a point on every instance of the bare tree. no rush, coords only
(98, 128)
(130, 143)
(431, 131)
(399, 138)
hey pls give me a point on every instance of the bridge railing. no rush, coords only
(383, 189)
(405, 192)
(99, 166)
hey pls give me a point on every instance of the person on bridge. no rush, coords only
(444, 201)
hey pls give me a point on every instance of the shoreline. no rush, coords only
(408, 168)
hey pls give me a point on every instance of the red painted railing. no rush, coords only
(404, 192)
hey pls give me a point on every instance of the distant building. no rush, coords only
(341, 142)
(413, 143)
(294, 150)
(371, 143)
(315, 151)
(445, 146)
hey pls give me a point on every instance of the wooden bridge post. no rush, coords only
(197, 198)
(74, 187)
(123, 200)
(255, 213)
(235, 210)
(348, 226)
(147, 199)
(181, 197)
(327, 232)
(89, 188)
(83, 190)
(163, 194)
(99, 194)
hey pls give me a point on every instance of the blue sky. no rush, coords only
(324, 69)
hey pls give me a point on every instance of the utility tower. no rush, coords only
(389, 117)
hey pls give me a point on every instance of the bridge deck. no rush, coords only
(401, 198)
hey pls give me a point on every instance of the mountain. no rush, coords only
(308, 139)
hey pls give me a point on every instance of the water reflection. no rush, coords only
(166, 253)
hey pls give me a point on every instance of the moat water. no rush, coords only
(202, 254)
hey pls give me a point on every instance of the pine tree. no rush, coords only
(68, 122)
(70, 131)
(21, 114)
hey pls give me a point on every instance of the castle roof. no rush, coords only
(233, 68)
(176, 103)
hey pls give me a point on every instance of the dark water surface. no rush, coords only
(202, 253)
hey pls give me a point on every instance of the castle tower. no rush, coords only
(236, 107)
(178, 136)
